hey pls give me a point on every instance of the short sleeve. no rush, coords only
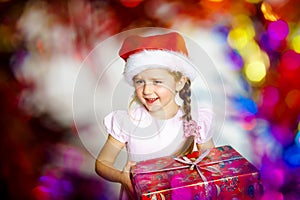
(113, 126)
(204, 117)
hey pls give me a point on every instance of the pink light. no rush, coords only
(270, 95)
(272, 195)
(278, 30)
(290, 60)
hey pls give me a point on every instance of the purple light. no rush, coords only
(278, 30)
(272, 195)
(236, 59)
(282, 134)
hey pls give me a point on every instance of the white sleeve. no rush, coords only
(204, 119)
(113, 126)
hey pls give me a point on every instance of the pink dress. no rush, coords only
(147, 137)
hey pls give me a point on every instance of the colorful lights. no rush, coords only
(297, 138)
(242, 33)
(131, 3)
(264, 47)
(242, 39)
(290, 61)
(253, 1)
(277, 33)
(238, 38)
(295, 43)
(269, 96)
(266, 9)
(247, 110)
(236, 58)
(292, 99)
(269, 58)
(292, 155)
(255, 71)
(245, 105)
(278, 30)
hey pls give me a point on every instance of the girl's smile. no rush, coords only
(151, 100)
(156, 90)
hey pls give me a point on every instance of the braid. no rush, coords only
(185, 95)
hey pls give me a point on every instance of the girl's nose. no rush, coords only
(148, 88)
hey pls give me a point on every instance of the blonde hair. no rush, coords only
(185, 95)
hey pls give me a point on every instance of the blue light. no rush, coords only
(292, 156)
(297, 139)
(245, 104)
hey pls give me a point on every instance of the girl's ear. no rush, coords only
(180, 84)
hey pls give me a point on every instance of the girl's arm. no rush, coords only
(207, 145)
(104, 165)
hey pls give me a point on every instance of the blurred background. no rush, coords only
(254, 45)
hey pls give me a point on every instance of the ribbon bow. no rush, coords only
(193, 165)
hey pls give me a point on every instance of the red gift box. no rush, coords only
(219, 173)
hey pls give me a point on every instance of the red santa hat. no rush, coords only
(167, 51)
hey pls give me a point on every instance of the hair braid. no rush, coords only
(185, 95)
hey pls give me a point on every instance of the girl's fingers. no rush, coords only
(127, 182)
(128, 166)
(131, 163)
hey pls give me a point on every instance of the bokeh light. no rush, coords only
(42, 45)
(292, 155)
(254, 1)
(290, 61)
(267, 12)
(255, 71)
(131, 3)
(269, 96)
(237, 59)
(278, 30)
(292, 99)
(238, 38)
(297, 138)
(296, 43)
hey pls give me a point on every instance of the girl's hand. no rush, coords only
(125, 179)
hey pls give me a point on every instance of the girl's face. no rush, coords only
(156, 90)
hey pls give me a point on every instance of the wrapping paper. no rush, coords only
(221, 173)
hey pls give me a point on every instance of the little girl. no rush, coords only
(158, 68)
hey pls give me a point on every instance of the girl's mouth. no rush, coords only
(150, 100)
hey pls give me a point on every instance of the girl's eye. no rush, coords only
(157, 82)
(139, 82)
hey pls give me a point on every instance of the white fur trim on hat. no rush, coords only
(153, 59)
